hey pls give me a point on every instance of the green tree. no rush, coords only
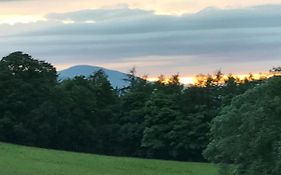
(86, 114)
(199, 104)
(25, 85)
(247, 132)
(131, 115)
(106, 112)
(162, 114)
(160, 119)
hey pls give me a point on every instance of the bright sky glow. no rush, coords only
(14, 19)
(194, 80)
(184, 80)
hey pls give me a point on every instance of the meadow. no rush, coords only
(22, 160)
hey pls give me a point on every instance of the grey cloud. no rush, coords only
(100, 14)
(210, 18)
(207, 37)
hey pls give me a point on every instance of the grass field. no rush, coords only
(20, 160)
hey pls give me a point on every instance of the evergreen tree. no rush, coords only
(131, 116)
(162, 114)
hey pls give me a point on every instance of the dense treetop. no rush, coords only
(247, 132)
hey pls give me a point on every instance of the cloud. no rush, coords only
(211, 39)
(100, 14)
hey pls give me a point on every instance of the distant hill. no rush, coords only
(115, 77)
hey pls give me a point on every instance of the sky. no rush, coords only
(188, 37)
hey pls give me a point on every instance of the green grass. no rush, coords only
(20, 160)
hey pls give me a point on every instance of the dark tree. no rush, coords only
(131, 116)
(247, 132)
(26, 84)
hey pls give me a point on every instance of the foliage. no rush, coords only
(26, 85)
(162, 119)
(247, 132)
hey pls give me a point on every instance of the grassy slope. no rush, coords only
(20, 160)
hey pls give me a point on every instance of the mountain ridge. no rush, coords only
(115, 77)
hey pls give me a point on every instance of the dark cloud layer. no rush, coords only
(212, 37)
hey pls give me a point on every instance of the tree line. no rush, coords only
(162, 119)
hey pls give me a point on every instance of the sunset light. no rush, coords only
(194, 80)
(24, 19)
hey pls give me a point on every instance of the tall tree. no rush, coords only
(131, 116)
(86, 107)
(106, 113)
(162, 114)
(247, 132)
(26, 84)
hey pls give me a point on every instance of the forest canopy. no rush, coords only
(234, 121)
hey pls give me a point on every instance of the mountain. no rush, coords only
(115, 77)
